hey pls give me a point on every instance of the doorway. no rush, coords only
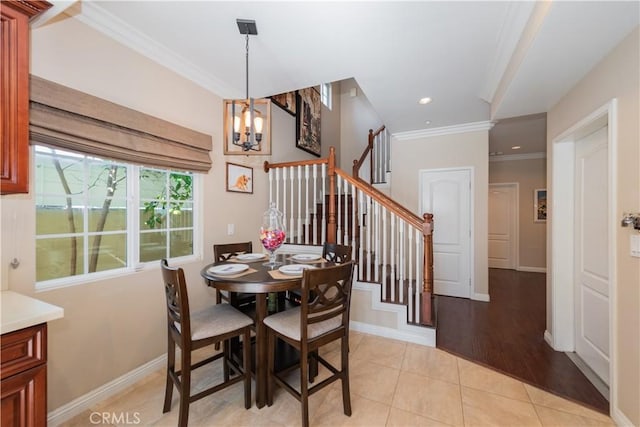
(583, 215)
(503, 226)
(447, 194)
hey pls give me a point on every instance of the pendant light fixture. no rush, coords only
(247, 121)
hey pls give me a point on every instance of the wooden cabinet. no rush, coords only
(14, 92)
(23, 373)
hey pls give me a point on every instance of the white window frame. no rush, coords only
(133, 235)
(325, 95)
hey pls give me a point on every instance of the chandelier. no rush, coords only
(247, 121)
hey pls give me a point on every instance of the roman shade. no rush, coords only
(66, 118)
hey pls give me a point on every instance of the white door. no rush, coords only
(447, 194)
(592, 252)
(503, 203)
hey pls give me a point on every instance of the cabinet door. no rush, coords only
(14, 96)
(24, 400)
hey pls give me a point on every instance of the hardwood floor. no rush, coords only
(507, 335)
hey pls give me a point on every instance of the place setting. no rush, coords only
(231, 270)
(248, 258)
(307, 258)
(289, 271)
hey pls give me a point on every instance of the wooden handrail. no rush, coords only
(383, 199)
(268, 165)
(357, 164)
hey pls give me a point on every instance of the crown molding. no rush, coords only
(445, 130)
(525, 156)
(101, 20)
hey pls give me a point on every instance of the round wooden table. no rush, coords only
(260, 283)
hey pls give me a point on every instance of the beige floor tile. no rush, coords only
(481, 378)
(373, 381)
(354, 340)
(552, 417)
(431, 398)
(431, 362)
(364, 412)
(543, 398)
(488, 409)
(380, 350)
(400, 418)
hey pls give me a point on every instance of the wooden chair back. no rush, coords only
(175, 289)
(336, 253)
(326, 294)
(223, 252)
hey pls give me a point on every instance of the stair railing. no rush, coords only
(391, 245)
(379, 152)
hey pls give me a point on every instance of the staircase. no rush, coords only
(392, 247)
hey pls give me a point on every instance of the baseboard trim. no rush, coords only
(548, 338)
(532, 269)
(480, 297)
(422, 336)
(85, 402)
(404, 332)
(620, 419)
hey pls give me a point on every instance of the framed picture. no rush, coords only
(239, 178)
(234, 108)
(286, 101)
(308, 120)
(540, 205)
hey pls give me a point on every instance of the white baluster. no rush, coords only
(315, 204)
(410, 272)
(299, 239)
(277, 183)
(361, 224)
(345, 224)
(369, 259)
(338, 210)
(270, 185)
(324, 204)
(384, 254)
(401, 260)
(306, 202)
(394, 237)
(376, 229)
(354, 225)
(291, 188)
(284, 204)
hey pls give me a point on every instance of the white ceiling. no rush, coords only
(455, 52)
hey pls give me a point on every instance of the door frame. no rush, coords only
(516, 220)
(560, 333)
(471, 170)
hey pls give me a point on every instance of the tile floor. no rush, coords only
(393, 383)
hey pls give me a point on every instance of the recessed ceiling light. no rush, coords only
(425, 100)
(515, 147)
(428, 122)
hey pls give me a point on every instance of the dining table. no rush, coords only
(260, 279)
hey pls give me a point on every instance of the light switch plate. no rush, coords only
(635, 245)
(231, 228)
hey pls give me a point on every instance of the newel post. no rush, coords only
(427, 287)
(332, 229)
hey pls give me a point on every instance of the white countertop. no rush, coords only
(20, 311)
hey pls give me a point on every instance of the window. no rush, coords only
(325, 94)
(96, 217)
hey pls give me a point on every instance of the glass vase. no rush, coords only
(272, 233)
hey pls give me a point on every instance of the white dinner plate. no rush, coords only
(228, 269)
(250, 257)
(294, 269)
(305, 257)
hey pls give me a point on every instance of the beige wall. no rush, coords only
(616, 76)
(469, 149)
(529, 174)
(113, 326)
(358, 116)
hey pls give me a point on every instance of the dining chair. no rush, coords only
(332, 252)
(321, 318)
(224, 252)
(192, 331)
